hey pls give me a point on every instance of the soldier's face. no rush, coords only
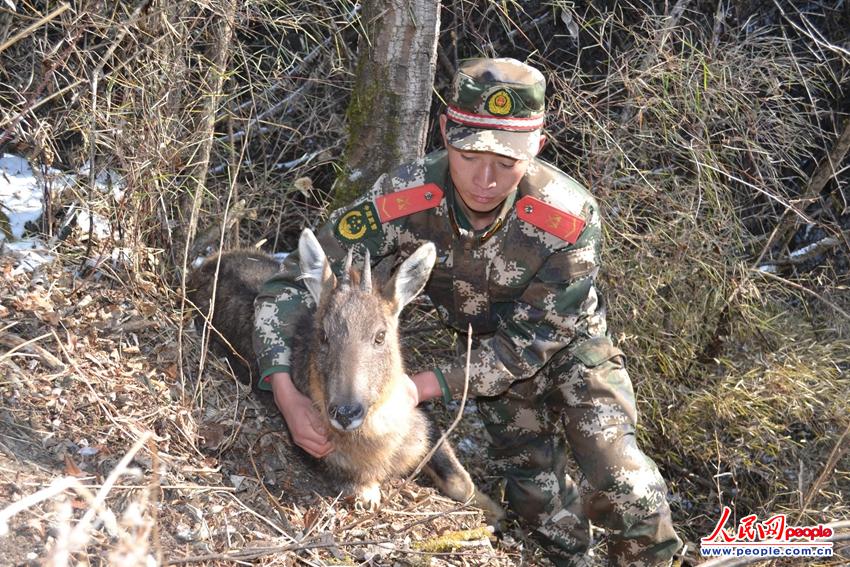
(484, 179)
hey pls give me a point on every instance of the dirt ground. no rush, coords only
(120, 445)
(97, 369)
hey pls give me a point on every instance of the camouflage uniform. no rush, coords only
(542, 361)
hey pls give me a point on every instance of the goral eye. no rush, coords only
(380, 336)
(323, 337)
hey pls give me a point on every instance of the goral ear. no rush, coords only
(315, 269)
(411, 277)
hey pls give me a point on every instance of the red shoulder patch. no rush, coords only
(546, 217)
(408, 201)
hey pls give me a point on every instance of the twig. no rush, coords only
(813, 249)
(431, 516)
(98, 71)
(457, 418)
(820, 42)
(198, 487)
(207, 130)
(449, 541)
(300, 68)
(787, 225)
(82, 376)
(658, 42)
(801, 255)
(787, 205)
(16, 343)
(205, 334)
(35, 25)
(60, 485)
(257, 552)
(837, 452)
(285, 101)
(691, 476)
(235, 137)
(11, 454)
(249, 130)
(30, 105)
(767, 269)
(536, 22)
(287, 530)
(259, 516)
(154, 493)
(113, 477)
(802, 288)
(303, 159)
(57, 487)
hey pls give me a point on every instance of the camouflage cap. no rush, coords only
(496, 105)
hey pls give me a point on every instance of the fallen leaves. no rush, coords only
(38, 303)
(90, 367)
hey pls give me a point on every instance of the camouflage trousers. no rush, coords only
(584, 391)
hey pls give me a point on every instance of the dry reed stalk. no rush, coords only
(738, 377)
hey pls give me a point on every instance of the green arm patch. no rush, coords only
(358, 223)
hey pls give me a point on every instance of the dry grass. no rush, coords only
(700, 131)
(211, 476)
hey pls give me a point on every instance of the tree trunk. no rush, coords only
(390, 103)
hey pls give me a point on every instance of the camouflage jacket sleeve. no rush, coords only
(559, 305)
(284, 298)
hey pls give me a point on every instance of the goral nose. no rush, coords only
(347, 416)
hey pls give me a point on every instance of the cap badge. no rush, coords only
(500, 103)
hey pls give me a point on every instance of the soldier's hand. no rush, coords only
(412, 391)
(302, 419)
(427, 386)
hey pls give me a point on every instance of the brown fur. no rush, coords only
(338, 363)
(241, 273)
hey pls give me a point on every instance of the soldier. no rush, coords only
(518, 245)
